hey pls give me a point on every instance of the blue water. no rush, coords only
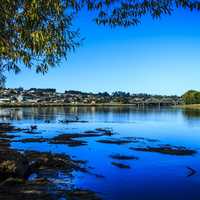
(153, 176)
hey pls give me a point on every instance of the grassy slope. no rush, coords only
(192, 106)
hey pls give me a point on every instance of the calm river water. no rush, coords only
(153, 176)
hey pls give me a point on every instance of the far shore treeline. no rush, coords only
(50, 95)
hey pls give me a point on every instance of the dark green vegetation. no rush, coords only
(191, 97)
(167, 149)
(39, 33)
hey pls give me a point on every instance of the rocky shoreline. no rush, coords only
(16, 168)
(33, 175)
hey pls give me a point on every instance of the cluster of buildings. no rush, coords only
(51, 96)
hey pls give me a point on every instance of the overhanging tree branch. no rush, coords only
(39, 33)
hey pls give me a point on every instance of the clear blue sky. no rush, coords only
(157, 57)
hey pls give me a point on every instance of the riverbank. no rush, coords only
(8, 105)
(189, 106)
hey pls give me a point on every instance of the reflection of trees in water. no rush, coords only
(52, 113)
(191, 113)
(191, 116)
(133, 109)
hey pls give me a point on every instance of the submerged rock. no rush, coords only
(140, 139)
(12, 182)
(4, 144)
(42, 161)
(6, 127)
(191, 171)
(17, 167)
(7, 136)
(31, 132)
(68, 141)
(26, 140)
(78, 194)
(151, 140)
(71, 139)
(90, 132)
(123, 157)
(13, 164)
(120, 165)
(167, 149)
(105, 131)
(115, 141)
(74, 135)
(21, 165)
(18, 189)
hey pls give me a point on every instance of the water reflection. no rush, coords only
(155, 173)
(191, 113)
(106, 113)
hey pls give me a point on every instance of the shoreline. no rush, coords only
(75, 105)
(189, 106)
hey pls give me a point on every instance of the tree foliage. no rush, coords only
(191, 97)
(39, 33)
(35, 33)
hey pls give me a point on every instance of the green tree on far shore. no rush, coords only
(191, 97)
